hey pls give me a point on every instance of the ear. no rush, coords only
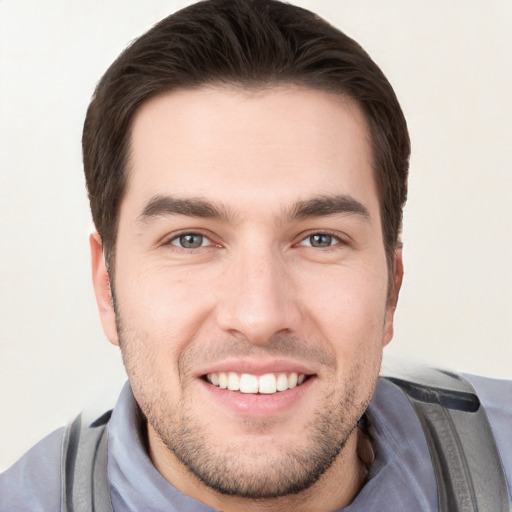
(396, 284)
(101, 283)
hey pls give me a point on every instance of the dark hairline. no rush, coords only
(236, 49)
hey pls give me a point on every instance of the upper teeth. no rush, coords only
(247, 383)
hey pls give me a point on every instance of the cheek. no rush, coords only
(156, 319)
(163, 307)
(349, 309)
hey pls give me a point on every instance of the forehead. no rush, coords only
(264, 148)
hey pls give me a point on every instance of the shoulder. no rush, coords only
(496, 397)
(33, 482)
(495, 394)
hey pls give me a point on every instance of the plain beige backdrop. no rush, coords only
(450, 62)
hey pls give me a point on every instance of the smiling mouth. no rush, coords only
(266, 384)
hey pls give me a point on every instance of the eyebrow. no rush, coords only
(318, 206)
(191, 207)
(327, 205)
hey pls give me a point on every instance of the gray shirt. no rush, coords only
(401, 478)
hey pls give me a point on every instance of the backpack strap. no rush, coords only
(466, 461)
(84, 481)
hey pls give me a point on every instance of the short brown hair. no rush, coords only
(242, 43)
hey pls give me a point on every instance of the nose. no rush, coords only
(258, 298)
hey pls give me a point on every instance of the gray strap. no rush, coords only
(85, 486)
(467, 465)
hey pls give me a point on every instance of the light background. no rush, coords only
(450, 62)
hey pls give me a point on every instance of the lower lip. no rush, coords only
(261, 405)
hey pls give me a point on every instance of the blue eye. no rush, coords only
(320, 240)
(190, 241)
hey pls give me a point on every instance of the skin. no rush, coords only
(258, 292)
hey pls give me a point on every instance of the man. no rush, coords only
(246, 166)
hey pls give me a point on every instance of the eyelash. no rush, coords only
(336, 239)
(178, 236)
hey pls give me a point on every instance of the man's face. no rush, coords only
(250, 254)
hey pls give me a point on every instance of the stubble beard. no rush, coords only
(236, 469)
(247, 471)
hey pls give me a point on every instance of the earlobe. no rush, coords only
(102, 290)
(398, 274)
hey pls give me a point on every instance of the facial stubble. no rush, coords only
(240, 469)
